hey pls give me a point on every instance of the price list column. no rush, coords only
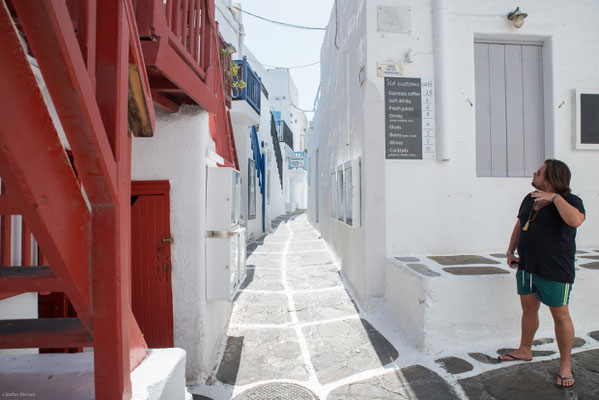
(428, 118)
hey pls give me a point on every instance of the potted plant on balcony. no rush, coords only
(233, 73)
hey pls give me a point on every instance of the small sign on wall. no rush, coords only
(298, 160)
(394, 19)
(388, 69)
(409, 118)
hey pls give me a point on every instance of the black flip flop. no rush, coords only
(512, 358)
(563, 378)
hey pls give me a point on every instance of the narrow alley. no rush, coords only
(297, 333)
(316, 199)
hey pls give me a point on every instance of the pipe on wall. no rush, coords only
(346, 61)
(440, 39)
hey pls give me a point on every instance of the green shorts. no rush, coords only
(550, 293)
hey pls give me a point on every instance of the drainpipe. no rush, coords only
(440, 44)
(241, 38)
(347, 102)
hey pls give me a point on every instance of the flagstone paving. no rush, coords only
(323, 306)
(263, 279)
(415, 382)
(255, 355)
(297, 333)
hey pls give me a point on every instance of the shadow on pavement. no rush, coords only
(229, 365)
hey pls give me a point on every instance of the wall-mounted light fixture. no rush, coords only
(409, 56)
(230, 49)
(517, 17)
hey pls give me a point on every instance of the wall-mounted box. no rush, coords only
(225, 264)
(223, 198)
(586, 126)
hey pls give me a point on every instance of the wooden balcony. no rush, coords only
(177, 43)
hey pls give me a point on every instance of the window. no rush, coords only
(348, 195)
(509, 108)
(587, 119)
(309, 172)
(340, 196)
(333, 194)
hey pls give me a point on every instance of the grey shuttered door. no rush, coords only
(509, 109)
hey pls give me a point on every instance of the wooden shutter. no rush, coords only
(509, 109)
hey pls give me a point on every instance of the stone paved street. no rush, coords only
(297, 333)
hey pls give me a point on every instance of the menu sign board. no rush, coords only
(409, 118)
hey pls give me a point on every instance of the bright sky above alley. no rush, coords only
(282, 46)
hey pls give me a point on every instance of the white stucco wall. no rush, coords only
(341, 134)
(482, 209)
(451, 311)
(177, 153)
(299, 189)
(284, 97)
(230, 24)
(433, 206)
(243, 117)
(282, 92)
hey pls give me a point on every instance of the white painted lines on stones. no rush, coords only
(289, 251)
(298, 330)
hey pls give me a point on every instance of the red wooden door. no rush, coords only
(151, 289)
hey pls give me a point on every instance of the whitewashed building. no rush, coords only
(190, 218)
(432, 117)
(292, 125)
(183, 154)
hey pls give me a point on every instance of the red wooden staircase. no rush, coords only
(82, 227)
(92, 61)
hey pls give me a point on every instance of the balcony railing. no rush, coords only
(284, 133)
(179, 47)
(250, 93)
(181, 51)
(181, 23)
(225, 61)
(274, 132)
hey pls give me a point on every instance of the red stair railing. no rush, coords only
(85, 52)
(83, 234)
